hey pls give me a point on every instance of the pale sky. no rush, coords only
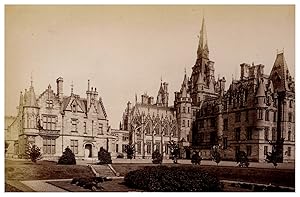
(125, 50)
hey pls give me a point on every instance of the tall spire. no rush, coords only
(72, 86)
(203, 45)
(31, 80)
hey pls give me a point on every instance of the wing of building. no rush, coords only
(54, 121)
(255, 112)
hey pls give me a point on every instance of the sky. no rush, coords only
(126, 50)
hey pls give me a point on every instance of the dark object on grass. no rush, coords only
(129, 149)
(156, 157)
(242, 159)
(196, 158)
(174, 150)
(33, 152)
(104, 157)
(215, 154)
(275, 156)
(74, 180)
(68, 157)
(172, 179)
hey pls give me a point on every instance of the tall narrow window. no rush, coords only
(259, 114)
(267, 133)
(188, 123)
(225, 121)
(274, 117)
(249, 133)
(92, 127)
(289, 135)
(139, 147)
(290, 117)
(225, 142)
(183, 123)
(84, 127)
(148, 145)
(237, 134)
(74, 125)
(249, 150)
(74, 146)
(100, 128)
(267, 115)
(265, 150)
(274, 134)
(183, 109)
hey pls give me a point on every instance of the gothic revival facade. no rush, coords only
(53, 121)
(256, 111)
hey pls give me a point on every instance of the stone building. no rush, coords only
(151, 125)
(54, 121)
(252, 114)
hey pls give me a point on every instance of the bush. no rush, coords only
(104, 157)
(129, 149)
(172, 179)
(33, 152)
(68, 157)
(196, 159)
(157, 157)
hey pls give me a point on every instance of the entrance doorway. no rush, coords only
(187, 153)
(88, 151)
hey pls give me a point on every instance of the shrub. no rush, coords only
(104, 156)
(156, 157)
(174, 150)
(68, 157)
(129, 149)
(242, 159)
(172, 179)
(215, 154)
(33, 152)
(196, 159)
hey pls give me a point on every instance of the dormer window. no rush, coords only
(49, 104)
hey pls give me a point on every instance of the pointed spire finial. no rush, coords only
(72, 85)
(31, 80)
(88, 85)
(185, 70)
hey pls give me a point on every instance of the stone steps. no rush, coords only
(103, 170)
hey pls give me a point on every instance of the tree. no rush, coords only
(129, 149)
(157, 157)
(242, 159)
(196, 158)
(68, 157)
(174, 150)
(275, 156)
(215, 154)
(33, 152)
(104, 156)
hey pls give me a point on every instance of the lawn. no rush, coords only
(278, 177)
(42, 170)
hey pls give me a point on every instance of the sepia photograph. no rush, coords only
(149, 98)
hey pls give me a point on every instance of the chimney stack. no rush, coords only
(60, 94)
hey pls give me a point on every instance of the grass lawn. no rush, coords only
(26, 170)
(279, 177)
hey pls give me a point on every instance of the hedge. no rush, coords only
(172, 179)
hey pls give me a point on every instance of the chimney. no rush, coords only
(88, 96)
(60, 94)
